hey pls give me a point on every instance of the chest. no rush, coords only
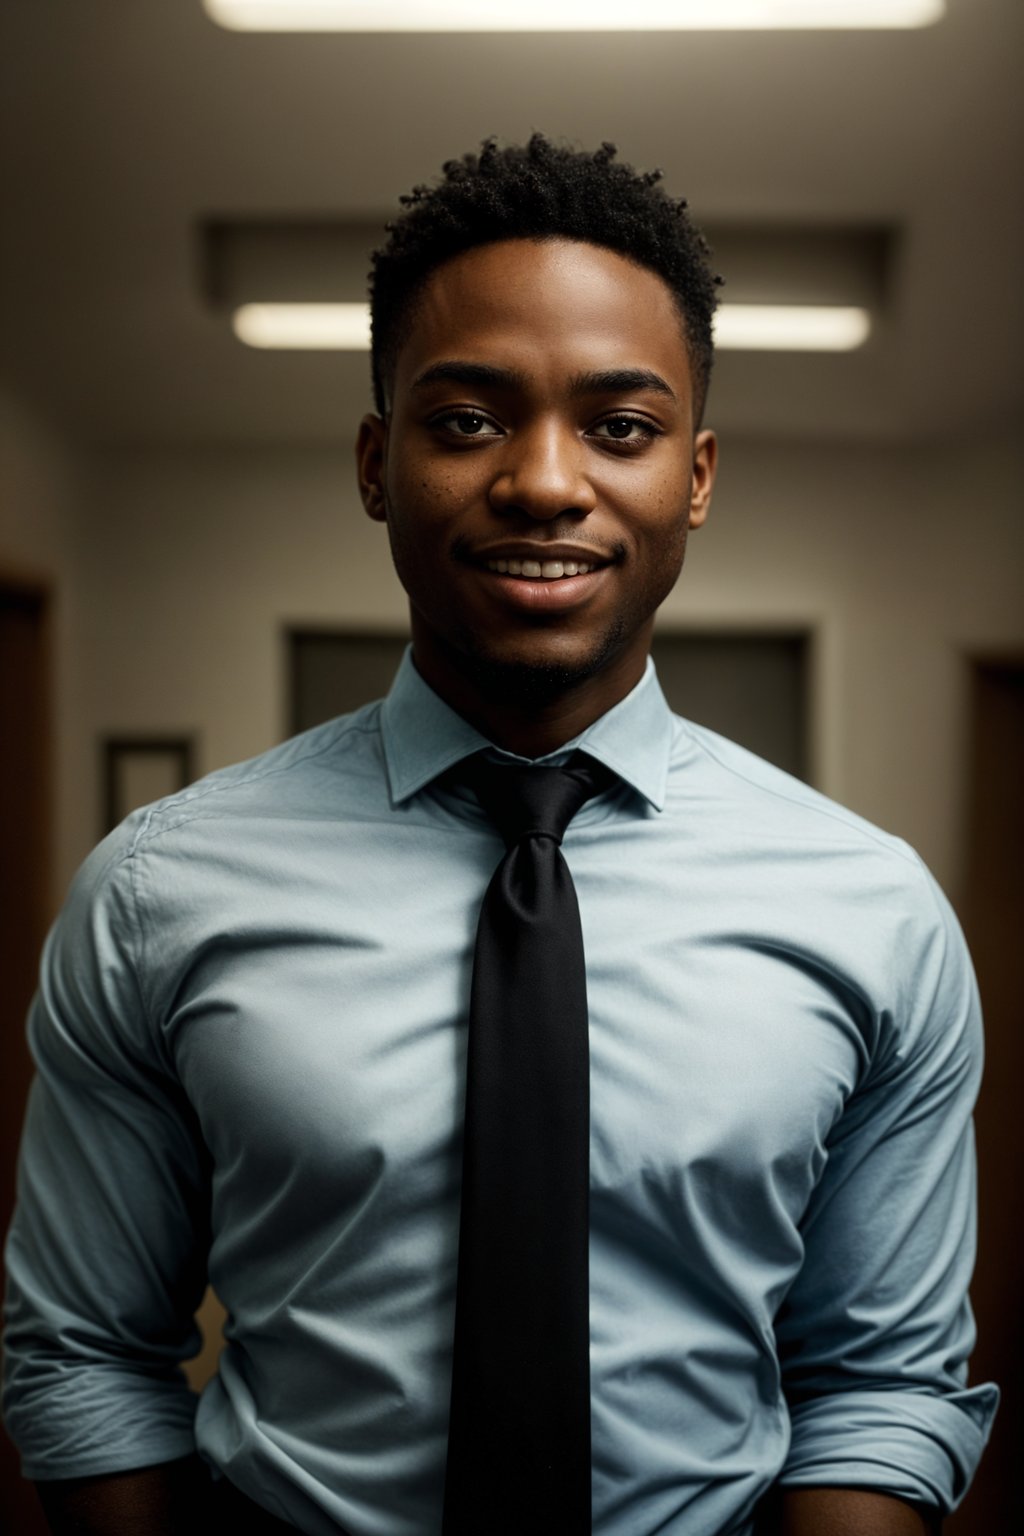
(321, 1031)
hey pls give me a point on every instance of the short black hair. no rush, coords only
(539, 191)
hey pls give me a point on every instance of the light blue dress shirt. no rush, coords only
(250, 1037)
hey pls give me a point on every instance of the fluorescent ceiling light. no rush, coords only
(738, 327)
(304, 327)
(567, 15)
(790, 327)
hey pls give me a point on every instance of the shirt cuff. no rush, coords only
(909, 1444)
(97, 1422)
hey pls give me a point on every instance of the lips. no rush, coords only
(532, 561)
(539, 594)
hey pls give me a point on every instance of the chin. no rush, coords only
(534, 680)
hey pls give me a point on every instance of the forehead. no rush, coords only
(548, 309)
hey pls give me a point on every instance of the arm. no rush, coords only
(844, 1512)
(167, 1500)
(106, 1256)
(875, 1333)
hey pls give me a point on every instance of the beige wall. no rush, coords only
(41, 499)
(36, 487)
(908, 560)
(181, 569)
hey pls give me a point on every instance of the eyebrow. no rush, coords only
(609, 381)
(620, 381)
(470, 373)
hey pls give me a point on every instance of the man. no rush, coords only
(251, 1032)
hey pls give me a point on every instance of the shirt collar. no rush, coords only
(423, 736)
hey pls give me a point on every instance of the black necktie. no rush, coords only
(519, 1439)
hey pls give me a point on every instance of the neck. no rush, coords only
(530, 714)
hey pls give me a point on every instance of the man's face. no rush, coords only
(542, 416)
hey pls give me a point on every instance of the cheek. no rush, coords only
(665, 549)
(667, 523)
(671, 556)
(427, 499)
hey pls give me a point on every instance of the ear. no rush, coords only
(371, 445)
(705, 463)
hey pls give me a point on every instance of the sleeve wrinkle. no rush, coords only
(875, 1332)
(106, 1256)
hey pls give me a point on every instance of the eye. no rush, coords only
(467, 424)
(631, 431)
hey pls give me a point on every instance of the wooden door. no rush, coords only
(993, 914)
(25, 897)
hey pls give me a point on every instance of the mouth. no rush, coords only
(541, 577)
(541, 570)
(542, 587)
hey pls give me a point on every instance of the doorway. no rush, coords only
(25, 910)
(993, 917)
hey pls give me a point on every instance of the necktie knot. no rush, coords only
(526, 801)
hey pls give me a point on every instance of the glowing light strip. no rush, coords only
(738, 327)
(790, 327)
(304, 327)
(568, 15)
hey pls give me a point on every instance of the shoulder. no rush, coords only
(756, 797)
(169, 862)
(303, 774)
(821, 884)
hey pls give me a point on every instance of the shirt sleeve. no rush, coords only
(875, 1333)
(106, 1256)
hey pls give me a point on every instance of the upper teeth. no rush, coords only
(547, 570)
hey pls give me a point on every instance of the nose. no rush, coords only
(541, 474)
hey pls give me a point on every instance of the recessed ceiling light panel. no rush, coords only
(738, 327)
(304, 327)
(791, 327)
(568, 15)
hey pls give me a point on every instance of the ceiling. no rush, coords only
(131, 126)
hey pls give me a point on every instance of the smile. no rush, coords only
(543, 587)
(536, 570)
